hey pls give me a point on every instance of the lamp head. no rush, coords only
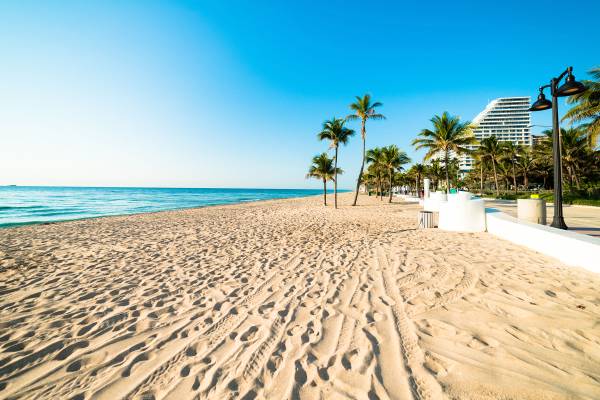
(541, 103)
(570, 87)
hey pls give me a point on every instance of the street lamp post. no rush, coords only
(569, 88)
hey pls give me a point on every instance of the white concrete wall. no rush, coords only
(569, 247)
(462, 213)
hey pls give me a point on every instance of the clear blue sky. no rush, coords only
(232, 93)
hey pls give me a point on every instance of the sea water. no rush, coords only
(21, 205)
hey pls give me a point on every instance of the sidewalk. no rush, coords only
(580, 219)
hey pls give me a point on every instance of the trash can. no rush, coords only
(426, 219)
(532, 210)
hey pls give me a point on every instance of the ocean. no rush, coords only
(21, 205)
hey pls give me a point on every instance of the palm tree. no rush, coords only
(370, 178)
(574, 147)
(418, 170)
(363, 109)
(587, 108)
(322, 168)
(504, 167)
(526, 164)
(393, 159)
(434, 171)
(448, 135)
(335, 131)
(543, 161)
(492, 149)
(454, 171)
(511, 153)
(479, 157)
(374, 158)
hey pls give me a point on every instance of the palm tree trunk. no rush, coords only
(417, 183)
(335, 181)
(570, 174)
(576, 180)
(495, 178)
(525, 180)
(391, 179)
(481, 178)
(379, 186)
(447, 174)
(362, 165)
(325, 191)
(514, 178)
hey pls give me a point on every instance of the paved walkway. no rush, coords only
(581, 219)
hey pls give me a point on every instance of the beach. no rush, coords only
(289, 299)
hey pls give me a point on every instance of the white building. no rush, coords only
(508, 119)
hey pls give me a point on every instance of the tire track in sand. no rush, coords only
(423, 385)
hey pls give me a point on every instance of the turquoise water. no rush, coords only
(21, 205)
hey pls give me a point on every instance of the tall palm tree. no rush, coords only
(418, 170)
(374, 158)
(322, 168)
(448, 135)
(393, 159)
(364, 110)
(511, 153)
(492, 149)
(335, 131)
(587, 107)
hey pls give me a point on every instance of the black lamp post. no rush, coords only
(569, 88)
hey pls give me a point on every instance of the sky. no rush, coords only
(233, 93)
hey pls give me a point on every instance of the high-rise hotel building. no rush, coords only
(508, 118)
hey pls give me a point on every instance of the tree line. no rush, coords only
(498, 165)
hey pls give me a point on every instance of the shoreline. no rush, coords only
(24, 224)
(285, 298)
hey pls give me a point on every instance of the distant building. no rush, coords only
(508, 119)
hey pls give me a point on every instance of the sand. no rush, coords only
(288, 299)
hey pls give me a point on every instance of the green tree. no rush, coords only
(392, 160)
(449, 135)
(511, 154)
(574, 152)
(374, 158)
(369, 179)
(335, 131)
(479, 157)
(435, 171)
(586, 108)
(364, 110)
(492, 149)
(418, 170)
(504, 169)
(322, 168)
(526, 164)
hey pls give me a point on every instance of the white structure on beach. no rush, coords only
(508, 119)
